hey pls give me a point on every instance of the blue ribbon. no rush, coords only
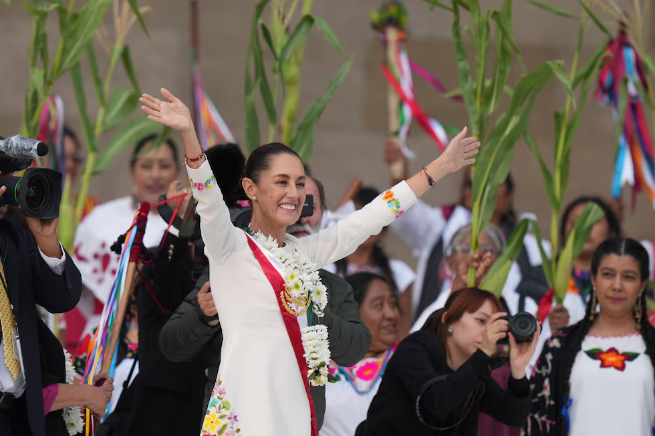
(565, 414)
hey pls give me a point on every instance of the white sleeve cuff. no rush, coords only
(56, 265)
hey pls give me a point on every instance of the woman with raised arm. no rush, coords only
(263, 279)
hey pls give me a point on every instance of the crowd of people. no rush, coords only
(266, 319)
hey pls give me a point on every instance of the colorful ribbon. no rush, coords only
(634, 163)
(51, 132)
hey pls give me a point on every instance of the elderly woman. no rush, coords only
(265, 282)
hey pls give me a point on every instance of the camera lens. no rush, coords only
(35, 194)
(523, 326)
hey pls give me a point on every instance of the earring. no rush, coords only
(254, 198)
(450, 332)
(594, 311)
(638, 314)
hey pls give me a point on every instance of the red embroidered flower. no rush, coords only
(388, 196)
(612, 358)
(368, 371)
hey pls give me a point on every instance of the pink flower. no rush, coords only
(367, 371)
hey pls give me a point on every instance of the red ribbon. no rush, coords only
(545, 304)
(290, 322)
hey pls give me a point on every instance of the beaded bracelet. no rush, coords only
(429, 177)
(187, 159)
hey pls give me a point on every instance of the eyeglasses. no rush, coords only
(465, 249)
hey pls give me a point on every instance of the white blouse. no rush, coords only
(612, 388)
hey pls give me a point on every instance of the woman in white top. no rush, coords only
(263, 279)
(596, 377)
(347, 402)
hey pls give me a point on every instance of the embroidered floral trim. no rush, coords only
(612, 358)
(209, 184)
(393, 203)
(72, 415)
(220, 419)
(628, 335)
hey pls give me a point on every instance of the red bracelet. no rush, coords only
(429, 177)
(187, 159)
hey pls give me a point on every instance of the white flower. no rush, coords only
(72, 415)
(324, 371)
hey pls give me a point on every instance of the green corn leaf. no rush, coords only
(255, 49)
(121, 104)
(548, 177)
(66, 225)
(129, 69)
(464, 70)
(503, 63)
(546, 262)
(574, 243)
(37, 81)
(135, 9)
(95, 73)
(83, 29)
(437, 4)
(595, 19)
(37, 8)
(648, 62)
(553, 10)
(330, 35)
(497, 274)
(303, 139)
(126, 136)
(296, 39)
(80, 98)
(269, 40)
(252, 120)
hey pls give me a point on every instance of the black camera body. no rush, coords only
(523, 326)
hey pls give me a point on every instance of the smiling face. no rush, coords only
(279, 193)
(314, 222)
(379, 311)
(468, 331)
(153, 172)
(618, 285)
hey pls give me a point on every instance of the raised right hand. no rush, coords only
(495, 330)
(172, 113)
(558, 318)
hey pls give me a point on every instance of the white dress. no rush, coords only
(258, 382)
(612, 388)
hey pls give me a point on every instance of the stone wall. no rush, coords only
(350, 136)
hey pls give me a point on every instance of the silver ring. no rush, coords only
(464, 155)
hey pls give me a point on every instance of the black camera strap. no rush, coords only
(428, 385)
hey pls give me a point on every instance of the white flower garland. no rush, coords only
(72, 415)
(303, 281)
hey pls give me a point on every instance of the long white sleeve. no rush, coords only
(342, 239)
(417, 223)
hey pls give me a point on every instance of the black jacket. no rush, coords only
(419, 359)
(31, 282)
(186, 336)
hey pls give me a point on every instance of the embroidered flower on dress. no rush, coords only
(612, 358)
(368, 371)
(216, 416)
(393, 203)
(554, 343)
(388, 196)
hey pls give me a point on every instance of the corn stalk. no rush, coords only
(76, 31)
(286, 47)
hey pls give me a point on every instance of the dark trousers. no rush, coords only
(14, 421)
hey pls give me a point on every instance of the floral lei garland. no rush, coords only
(72, 415)
(304, 284)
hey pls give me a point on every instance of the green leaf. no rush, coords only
(126, 136)
(269, 40)
(595, 19)
(437, 4)
(546, 262)
(553, 10)
(592, 353)
(36, 8)
(574, 243)
(95, 73)
(330, 35)
(496, 277)
(121, 104)
(631, 356)
(548, 177)
(129, 69)
(303, 139)
(80, 98)
(252, 120)
(464, 70)
(255, 50)
(135, 10)
(296, 39)
(83, 29)
(221, 431)
(37, 81)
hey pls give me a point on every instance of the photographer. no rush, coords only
(438, 381)
(34, 270)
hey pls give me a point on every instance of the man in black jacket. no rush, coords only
(37, 270)
(194, 334)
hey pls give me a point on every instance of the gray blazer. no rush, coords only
(186, 336)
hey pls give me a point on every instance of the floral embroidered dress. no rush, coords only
(347, 402)
(260, 390)
(612, 389)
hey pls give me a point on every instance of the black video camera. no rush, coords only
(523, 326)
(38, 192)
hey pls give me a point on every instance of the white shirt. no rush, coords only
(403, 275)
(617, 399)
(7, 383)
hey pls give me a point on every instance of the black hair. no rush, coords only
(621, 247)
(260, 159)
(72, 135)
(227, 162)
(321, 192)
(361, 282)
(147, 140)
(612, 220)
(380, 259)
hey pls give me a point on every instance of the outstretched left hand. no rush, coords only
(521, 353)
(459, 151)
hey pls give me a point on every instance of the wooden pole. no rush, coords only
(393, 100)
